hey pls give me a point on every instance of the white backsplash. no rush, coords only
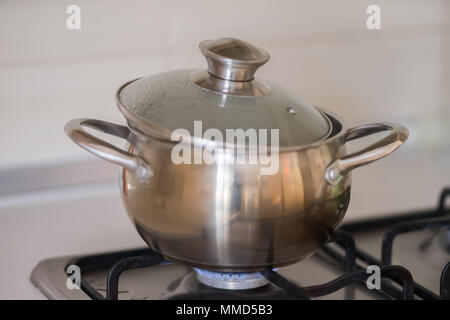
(321, 50)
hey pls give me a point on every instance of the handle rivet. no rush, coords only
(143, 174)
(333, 174)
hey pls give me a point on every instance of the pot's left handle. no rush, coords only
(102, 149)
(394, 140)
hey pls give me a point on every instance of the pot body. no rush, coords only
(229, 217)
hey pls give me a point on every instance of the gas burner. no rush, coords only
(231, 280)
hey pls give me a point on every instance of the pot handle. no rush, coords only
(102, 149)
(376, 151)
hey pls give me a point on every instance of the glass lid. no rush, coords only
(225, 97)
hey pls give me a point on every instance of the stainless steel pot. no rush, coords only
(227, 216)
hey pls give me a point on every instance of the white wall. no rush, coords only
(320, 49)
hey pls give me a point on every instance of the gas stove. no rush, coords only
(411, 251)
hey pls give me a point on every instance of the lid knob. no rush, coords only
(233, 59)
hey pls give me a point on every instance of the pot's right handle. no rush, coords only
(378, 150)
(102, 149)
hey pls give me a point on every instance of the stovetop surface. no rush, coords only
(423, 252)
